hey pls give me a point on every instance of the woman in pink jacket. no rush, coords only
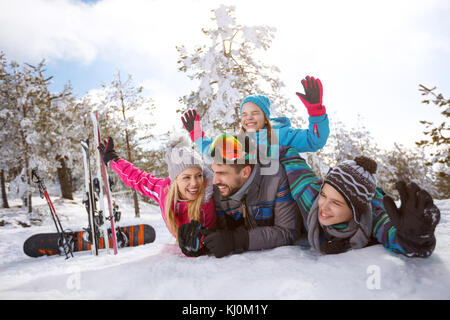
(184, 196)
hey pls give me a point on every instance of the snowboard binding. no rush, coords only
(122, 239)
(66, 243)
(87, 235)
(117, 214)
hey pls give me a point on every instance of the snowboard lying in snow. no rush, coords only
(50, 243)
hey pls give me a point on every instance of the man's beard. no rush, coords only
(230, 189)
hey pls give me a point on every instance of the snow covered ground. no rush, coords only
(160, 271)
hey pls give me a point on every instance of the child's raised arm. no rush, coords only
(315, 137)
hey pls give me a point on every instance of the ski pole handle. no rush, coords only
(34, 174)
(38, 180)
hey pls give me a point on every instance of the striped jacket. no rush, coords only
(273, 218)
(305, 188)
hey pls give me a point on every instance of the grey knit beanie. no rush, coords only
(355, 181)
(180, 156)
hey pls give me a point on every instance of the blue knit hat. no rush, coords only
(261, 101)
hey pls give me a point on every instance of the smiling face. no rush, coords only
(333, 208)
(189, 183)
(227, 179)
(252, 117)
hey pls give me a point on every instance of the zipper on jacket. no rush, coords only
(316, 130)
(249, 221)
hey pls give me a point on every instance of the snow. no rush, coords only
(160, 271)
(224, 20)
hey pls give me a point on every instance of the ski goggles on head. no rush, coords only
(228, 148)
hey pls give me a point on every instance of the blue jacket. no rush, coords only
(304, 140)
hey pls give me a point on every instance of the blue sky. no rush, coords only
(370, 56)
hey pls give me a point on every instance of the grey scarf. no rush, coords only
(241, 196)
(358, 233)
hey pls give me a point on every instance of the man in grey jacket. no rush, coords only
(254, 211)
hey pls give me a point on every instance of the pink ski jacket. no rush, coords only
(157, 189)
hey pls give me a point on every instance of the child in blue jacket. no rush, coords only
(255, 118)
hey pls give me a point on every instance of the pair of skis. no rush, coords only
(67, 241)
(103, 181)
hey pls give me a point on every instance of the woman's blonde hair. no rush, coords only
(194, 206)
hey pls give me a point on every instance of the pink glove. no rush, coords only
(191, 122)
(312, 99)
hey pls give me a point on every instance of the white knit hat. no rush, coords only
(181, 156)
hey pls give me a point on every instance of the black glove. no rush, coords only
(188, 119)
(417, 215)
(334, 245)
(191, 122)
(224, 242)
(107, 151)
(190, 238)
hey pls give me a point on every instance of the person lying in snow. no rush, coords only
(344, 211)
(254, 211)
(347, 211)
(183, 196)
(256, 121)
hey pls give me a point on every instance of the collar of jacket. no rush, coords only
(244, 189)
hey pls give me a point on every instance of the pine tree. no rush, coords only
(438, 142)
(227, 71)
(54, 124)
(5, 149)
(75, 131)
(26, 93)
(399, 163)
(126, 105)
(405, 164)
(343, 144)
(31, 124)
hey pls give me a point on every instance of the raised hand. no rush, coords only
(191, 122)
(312, 98)
(107, 151)
(417, 215)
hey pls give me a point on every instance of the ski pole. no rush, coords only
(44, 194)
